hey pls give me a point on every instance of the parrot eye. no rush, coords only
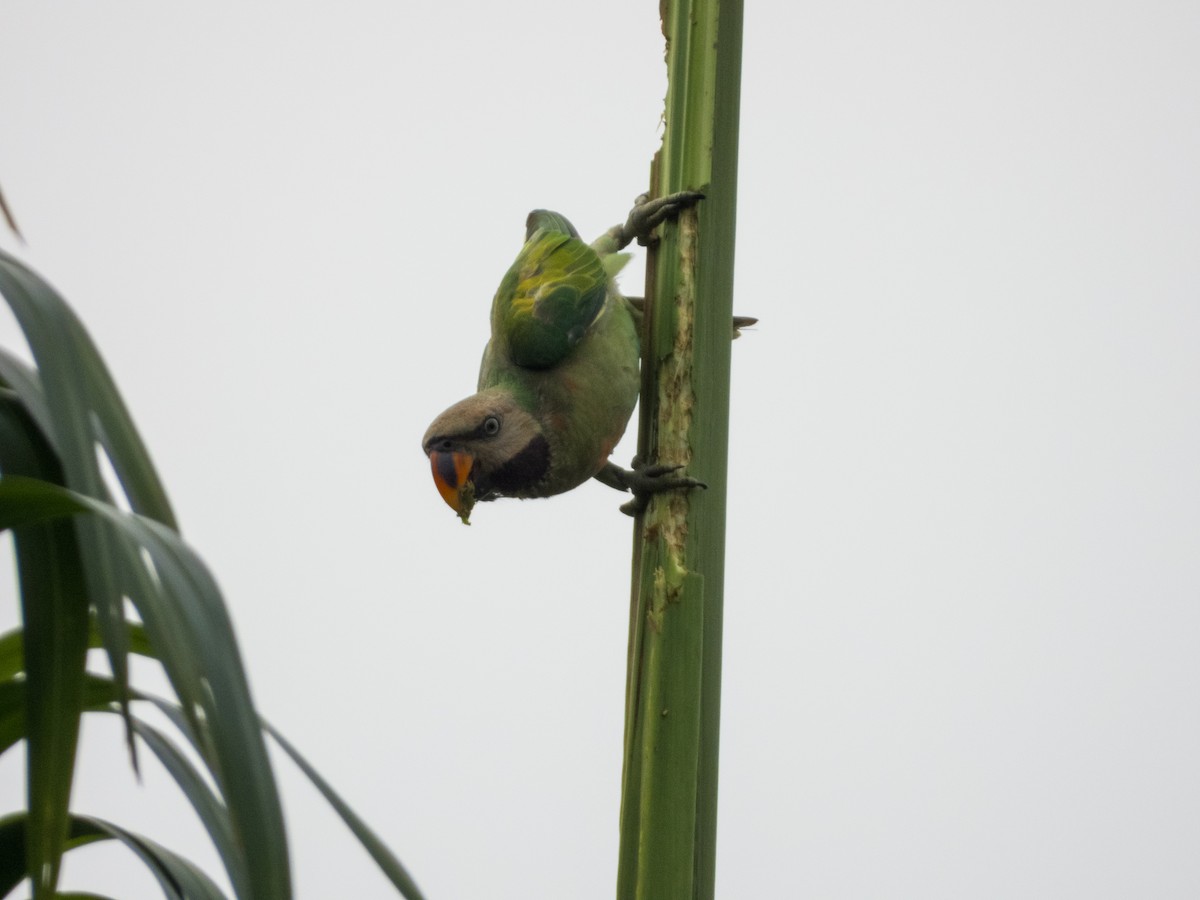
(491, 425)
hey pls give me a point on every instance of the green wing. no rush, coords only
(551, 296)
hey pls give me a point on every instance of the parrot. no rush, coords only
(559, 377)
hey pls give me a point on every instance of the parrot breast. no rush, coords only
(582, 405)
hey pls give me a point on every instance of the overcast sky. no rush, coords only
(963, 596)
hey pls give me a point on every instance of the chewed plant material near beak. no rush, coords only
(466, 502)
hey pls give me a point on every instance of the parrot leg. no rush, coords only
(644, 481)
(647, 215)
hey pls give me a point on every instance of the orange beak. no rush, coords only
(452, 474)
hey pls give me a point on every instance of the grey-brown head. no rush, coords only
(484, 447)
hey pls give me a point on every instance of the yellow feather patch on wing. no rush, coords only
(550, 298)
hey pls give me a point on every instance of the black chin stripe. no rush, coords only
(524, 470)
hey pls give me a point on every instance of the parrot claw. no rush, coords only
(645, 481)
(648, 214)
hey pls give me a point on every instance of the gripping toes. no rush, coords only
(645, 481)
(648, 214)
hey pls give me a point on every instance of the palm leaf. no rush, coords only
(54, 609)
(384, 858)
(183, 612)
(80, 557)
(178, 878)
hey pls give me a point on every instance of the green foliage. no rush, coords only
(79, 558)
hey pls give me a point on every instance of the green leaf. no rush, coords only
(79, 386)
(12, 847)
(54, 607)
(26, 504)
(12, 656)
(99, 695)
(383, 856)
(178, 877)
(190, 604)
(79, 549)
(12, 713)
(206, 803)
(55, 611)
(67, 364)
(189, 627)
(23, 382)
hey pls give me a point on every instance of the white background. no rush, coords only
(963, 596)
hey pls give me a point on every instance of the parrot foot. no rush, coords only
(648, 214)
(645, 481)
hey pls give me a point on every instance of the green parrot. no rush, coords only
(559, 377)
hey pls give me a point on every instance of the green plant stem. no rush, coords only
(669, 785)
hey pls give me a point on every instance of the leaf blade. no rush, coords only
(379, 851)
(178, 877)
(188, 625)
(54, 605)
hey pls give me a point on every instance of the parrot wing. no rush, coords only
(552, 294)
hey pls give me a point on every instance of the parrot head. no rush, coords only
(484, 447)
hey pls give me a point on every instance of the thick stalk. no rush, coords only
(669, 787)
